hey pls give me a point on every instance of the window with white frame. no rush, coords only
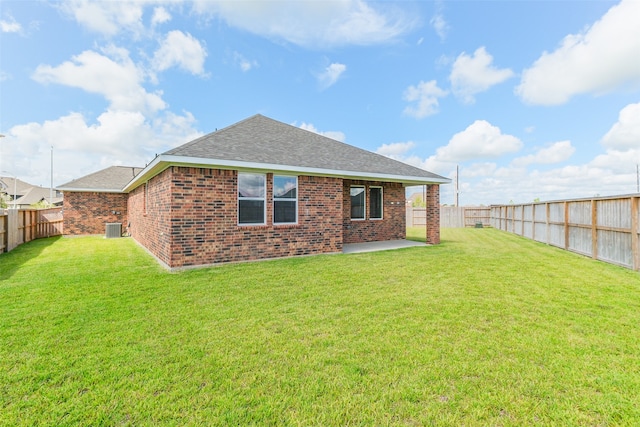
(358, 202)
(252, 190)
(375, 202)
(285, 199)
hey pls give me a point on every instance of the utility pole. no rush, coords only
(51, 186)
(637, 178)
(457, 189)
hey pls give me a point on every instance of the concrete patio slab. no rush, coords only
(353, 248)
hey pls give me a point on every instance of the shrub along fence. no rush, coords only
(604, 228)
(18, 226)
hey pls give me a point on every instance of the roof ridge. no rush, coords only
(210, 134)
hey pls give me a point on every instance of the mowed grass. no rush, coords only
(485, 329)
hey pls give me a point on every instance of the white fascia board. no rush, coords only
(162, 162)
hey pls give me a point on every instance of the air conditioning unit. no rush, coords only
(114, 229)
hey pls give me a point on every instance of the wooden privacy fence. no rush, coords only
(604, 228)
(22, 226)
(452, 216)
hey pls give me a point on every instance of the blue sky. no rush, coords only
(530, 99)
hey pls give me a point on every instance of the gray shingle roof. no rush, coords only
(111, 179)
(260, 139)
(9, 184)
(34, 195)
(261, 143)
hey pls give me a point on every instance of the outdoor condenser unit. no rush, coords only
(114, 229)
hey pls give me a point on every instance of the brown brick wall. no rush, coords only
(433, 214)
(88, 212)
(201, 219)
(150, 215)
(393, 224)
(188, 217)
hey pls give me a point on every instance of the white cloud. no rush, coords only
(554, 153)
(314, 24)
(107, 17)
(244, 63)
(135, 126)
(426, 95)
(598, 60)
(115, 77)
(395, 150)
(617, 160)
(180, 50)
(474, 74)
(10, 25)
(331, 74)
(480, 140)
(625, 133)
(110, 134)
(337, 135)
(480, 169)
(80, 147)
(609, 173)
(438, 22)
(160, 16)
(305, 23)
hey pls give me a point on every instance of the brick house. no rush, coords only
(254, 190)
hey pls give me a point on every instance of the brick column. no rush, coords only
(433, 214)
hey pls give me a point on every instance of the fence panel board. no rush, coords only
(615, 247)
(452, 216)
(22, 226)
(476, 215)
(50, 222)
(13, 235)
(580, 212)
(605, 228)
(614, 213)
(540, 232)
(527, 221)
(556, 235)
(556, 224)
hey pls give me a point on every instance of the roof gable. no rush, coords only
(262, 144)
(261, 140)
(9, 184)
(112, 179)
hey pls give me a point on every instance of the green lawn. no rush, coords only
(485, 329)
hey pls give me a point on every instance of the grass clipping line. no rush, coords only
(485, 329)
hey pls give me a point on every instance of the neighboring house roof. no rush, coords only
(110, 180)
(8, 184)
(263, 144)
(35, 195)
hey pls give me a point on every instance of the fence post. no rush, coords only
(594, 229)
(635, 232)
(4, 232)
(547, 209)
(566, 225)
(533, 221)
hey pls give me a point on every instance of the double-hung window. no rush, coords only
(358, 202)
(375, 202)
(285, 199)
(252, 190)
